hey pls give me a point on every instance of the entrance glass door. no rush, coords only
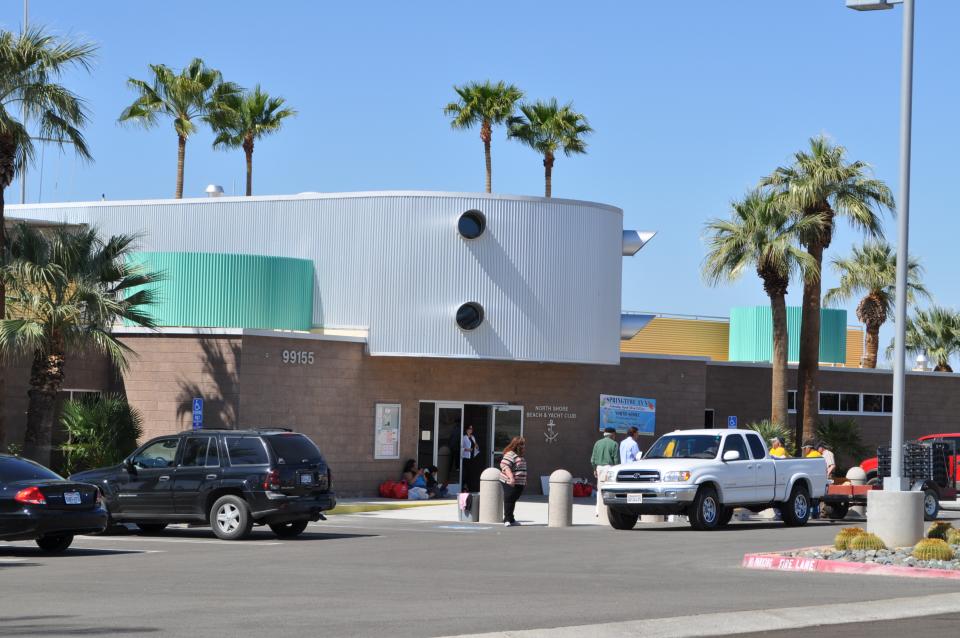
(447, 433)
(507, 423)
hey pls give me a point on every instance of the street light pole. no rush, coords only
(896, 482)
(23, 169)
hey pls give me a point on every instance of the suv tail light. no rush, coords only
(30, 496)
(272, 481)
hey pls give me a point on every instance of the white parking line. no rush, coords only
(12, 560)
(196, 541)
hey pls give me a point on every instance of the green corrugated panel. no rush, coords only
(751, 334)
(222, 290)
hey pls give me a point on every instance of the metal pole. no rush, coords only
(895, 481)
(23, 169)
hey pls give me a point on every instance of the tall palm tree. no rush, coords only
(184, 97)
(822, 183)
(241, 120)
(486, 104)
(68, 288)
(549, 128)
(935, 333)
(31, 65)
(762, 235)
(871, 271)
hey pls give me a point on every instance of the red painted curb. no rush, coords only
(777, 562)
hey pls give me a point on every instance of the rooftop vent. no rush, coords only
(214, 190)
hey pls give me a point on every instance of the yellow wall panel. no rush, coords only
(690, 337)
(854, 347)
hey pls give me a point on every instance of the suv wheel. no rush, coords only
(151, 528)
(621, 520)
(289, 530)
(706, 511)
(796, 511)
(55, 544)
(230, 518)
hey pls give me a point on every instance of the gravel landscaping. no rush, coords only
(900, 557)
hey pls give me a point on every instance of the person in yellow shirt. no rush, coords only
(776, 448)
(809, 451)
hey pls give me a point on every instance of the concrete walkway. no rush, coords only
(530, 511)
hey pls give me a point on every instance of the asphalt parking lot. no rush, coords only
(358, 575)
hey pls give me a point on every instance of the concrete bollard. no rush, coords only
(896, 517)
(560, 501)
(857, 476)
(491, 496)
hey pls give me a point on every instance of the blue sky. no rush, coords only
(692, 103)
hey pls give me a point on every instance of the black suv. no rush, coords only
(229, 479)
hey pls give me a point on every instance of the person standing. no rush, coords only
(777, 450)
(829, 458)
(603, 457)
(513, 477)
(470, 458)
(629, 448)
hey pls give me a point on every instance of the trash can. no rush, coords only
(468, 505)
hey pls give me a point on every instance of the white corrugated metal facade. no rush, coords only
(547, 272)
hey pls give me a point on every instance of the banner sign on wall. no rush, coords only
(387, 431)
(623, 412)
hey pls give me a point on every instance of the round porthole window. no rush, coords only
(472, 224)
(470, 315)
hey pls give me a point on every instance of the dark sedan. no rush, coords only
(37, 504)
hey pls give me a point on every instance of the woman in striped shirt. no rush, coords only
(513, 476)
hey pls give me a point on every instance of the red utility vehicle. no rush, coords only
(870, 465)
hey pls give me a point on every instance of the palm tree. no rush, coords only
(191, 94)
(68, 288)
(872, 271)
(549, 128)
(761, 235)
(934, 332)
(31, 65)
(486, 104)
(241, 120)
(821, 183)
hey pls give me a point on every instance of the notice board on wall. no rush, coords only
(621, 413)
(386, 435)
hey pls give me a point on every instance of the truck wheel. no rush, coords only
(836, 511)
(289, 530)
(230, 518)
(796, 511)
(621, 520)
(931, 504)
(725, 517)
(706, 509)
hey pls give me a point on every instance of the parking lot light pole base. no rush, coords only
(895, 516)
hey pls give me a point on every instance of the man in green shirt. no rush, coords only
(606, 452)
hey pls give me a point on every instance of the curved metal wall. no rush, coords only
(220, 290)
(547, 271)
(751, 334)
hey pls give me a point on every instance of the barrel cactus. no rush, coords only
(939, 529)
(866, 541)
(842, 540)
(953, 536)
(933, 549)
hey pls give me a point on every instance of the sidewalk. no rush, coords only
(531, 510)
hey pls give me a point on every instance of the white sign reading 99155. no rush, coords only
(297, 357)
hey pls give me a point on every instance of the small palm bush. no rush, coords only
(933, 549)
(101, 431)
(939, 529)
(847, 534)
(842, 437)
(769, 429)
(866, 541)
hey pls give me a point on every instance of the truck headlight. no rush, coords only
(608, 476)
(676, 477)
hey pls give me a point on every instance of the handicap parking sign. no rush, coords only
(198, 413)
(732, 422)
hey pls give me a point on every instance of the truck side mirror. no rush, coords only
(731, 455)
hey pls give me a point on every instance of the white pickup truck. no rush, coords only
(705, 474)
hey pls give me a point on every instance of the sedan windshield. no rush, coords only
(685, 446)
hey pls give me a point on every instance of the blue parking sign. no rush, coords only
(732, 422)
(198, 413)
